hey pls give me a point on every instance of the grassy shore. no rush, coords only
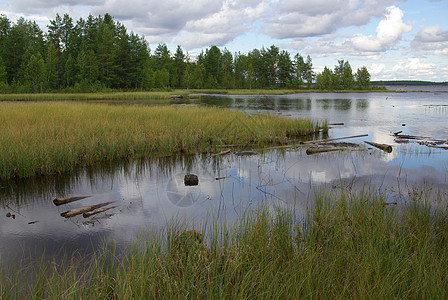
(40, 138)
(163, 95)
(280, 91)
(156, 95)
(346, 247)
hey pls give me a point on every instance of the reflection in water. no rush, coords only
(149, 193)
(336, 104)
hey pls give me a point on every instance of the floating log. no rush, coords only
(96, 211)
(334, 124)
(311, 151)
(221, 153)
(177, 96)
(384, 147)
(61, 201)
(335, 139)
(77, 211)
(221, 178)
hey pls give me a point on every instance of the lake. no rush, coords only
(148, 194)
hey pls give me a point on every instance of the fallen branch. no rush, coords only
(311, 151)
(61, 201)
(384, 147)
(221, 153)
(97, 211)
(77, 211)
(335, 139)
(221, 178)
(334, 124)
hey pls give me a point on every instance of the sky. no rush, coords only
(395, 40)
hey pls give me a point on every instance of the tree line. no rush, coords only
(99, 54)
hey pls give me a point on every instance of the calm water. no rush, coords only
(149, 194)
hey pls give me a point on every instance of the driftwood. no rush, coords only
(384, 147)
(61, 201)
(96, 211)
(221, 153)
(77, 211)
(335, 139)
(334, 124)
(221, 178)
(245, 153)
(310, 151)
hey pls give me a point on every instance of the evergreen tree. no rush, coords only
(285, 69)
(299, 69)
(179, 66)
(362, 77)
(70, 71)
(35, 75)
(51, 67)
(309, 73)
(3, 74)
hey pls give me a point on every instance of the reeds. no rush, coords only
(40, 138)
(155, 95)
(347, 246)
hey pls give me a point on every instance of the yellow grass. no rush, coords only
(39, 138)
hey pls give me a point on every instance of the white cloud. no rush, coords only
(388, 32)
(294, 19)
(234, 19)
(376, 69)
(432, 38)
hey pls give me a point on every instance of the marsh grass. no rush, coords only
(156, 95)
(41, 138)
(347, 246)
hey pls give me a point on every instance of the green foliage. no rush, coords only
(99, 53)
(362, 77)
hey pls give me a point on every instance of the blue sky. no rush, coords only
(394, 39)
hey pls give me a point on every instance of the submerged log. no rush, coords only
(61, 201)
(96, 211)
(335, 139)
(384, 147)
(311, 151)
(77, 211)
(221, 153)
(245, 153)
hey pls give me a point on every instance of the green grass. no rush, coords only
(156, 95)
(347, 246)
(159, 95)
(41, 138)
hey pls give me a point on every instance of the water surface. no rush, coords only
(150, 193)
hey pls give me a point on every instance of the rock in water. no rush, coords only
(191, 179)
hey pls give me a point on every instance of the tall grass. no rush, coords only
(158, 95)
(40, 138)
(349, 246)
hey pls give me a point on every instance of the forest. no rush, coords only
(99, 54)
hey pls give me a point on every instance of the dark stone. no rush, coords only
(191, 179)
